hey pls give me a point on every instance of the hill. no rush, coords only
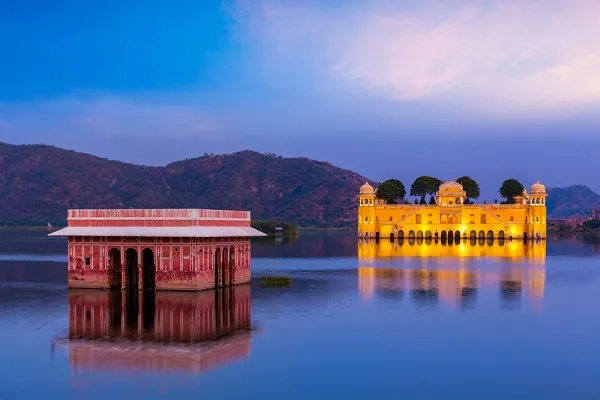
(572, 202)
(38, 183)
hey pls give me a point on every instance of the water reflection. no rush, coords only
(459, 285)
(512, 251)
(162, 331)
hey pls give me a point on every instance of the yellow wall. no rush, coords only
(508, 220)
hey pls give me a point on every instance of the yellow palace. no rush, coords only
(451, 219)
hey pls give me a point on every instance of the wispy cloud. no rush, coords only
(503, 58)
(135, 116)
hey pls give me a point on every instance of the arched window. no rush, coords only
(361, 201)
(542, 200)
(537, 200)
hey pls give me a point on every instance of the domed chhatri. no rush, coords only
(367, 189)
(452, 217)
(450, 185)
(537, 188)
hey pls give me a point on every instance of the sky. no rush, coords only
(494, 89)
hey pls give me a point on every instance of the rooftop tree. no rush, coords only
(470, 186)
(511, 188)
(423, 186)
(391, 191)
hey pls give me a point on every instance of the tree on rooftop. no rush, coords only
(391, 191)
(470, 186)
(423, 186)
(511, 188)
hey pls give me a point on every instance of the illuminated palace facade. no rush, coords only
(450, 218)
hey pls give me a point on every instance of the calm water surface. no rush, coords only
(412, 320)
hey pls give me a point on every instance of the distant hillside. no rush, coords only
(572, 202)
(39, 183)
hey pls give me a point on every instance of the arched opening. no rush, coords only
(444, 219)
(490, 234)
(131, 266)
(224, 269)
(457, 201)
(450, 219)
(473, 235)
(457, 236)
(114, 265)
(411, 234)
(231, 266)
(148, 269)
(392, 237)
(481, 235)
(501, 235)
(400, 235)
(444, 236)
(420, 235)
(427, 234)
(217, 267)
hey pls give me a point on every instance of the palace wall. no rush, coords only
(490, 220)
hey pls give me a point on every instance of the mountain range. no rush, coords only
(38, 183)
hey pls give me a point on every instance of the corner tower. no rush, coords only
(536, 225)
(366, 211)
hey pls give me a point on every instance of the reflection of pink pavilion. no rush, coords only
(190, 249)
(169, 332)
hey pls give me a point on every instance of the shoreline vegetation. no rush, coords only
(590, 228)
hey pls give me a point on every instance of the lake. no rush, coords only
(416, 320)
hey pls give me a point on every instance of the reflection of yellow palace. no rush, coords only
(453, 284)
(451, 218)
(509, 251)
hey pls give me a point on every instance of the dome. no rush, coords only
(537, 188)
(451, 186)
(367, 189)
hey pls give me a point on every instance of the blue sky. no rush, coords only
(492, 89)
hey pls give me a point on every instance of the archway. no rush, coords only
(148, 269)
(443, 236)
(490, 234)
(428, 235)
(231, 266)
(217, 267)
(473, 235)
(450, 219)
(411, 234)
(420, 235)
(457, 236)
(224, 265)
(481, 235)
(114, 265)
(400, 235)
(131, 266)
(501, 235)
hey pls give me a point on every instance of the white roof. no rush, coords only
(196, 231)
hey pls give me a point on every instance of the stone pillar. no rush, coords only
(140, 277)
(123, 274)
